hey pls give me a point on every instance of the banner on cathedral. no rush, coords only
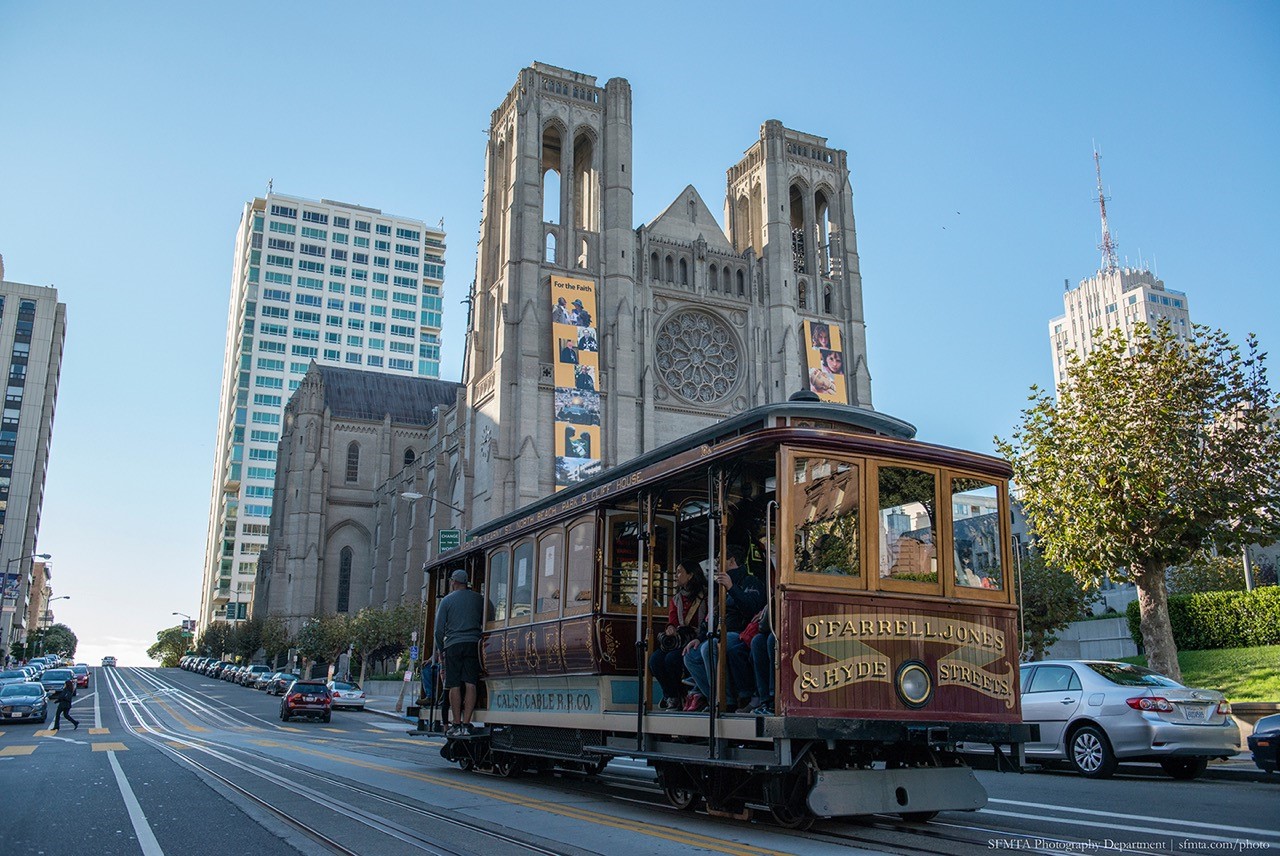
(575, 347)
(825, 361)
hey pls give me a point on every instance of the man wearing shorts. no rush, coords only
(458, 622)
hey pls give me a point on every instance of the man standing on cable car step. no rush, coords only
(458, 622)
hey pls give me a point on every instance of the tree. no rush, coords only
(275, 638)
(323, 638)
(171, 644)
(370, 630)
(215, 639)
(248, 638)
(1051, 599)
(58, 639)
(1156, 448)
(1205, 572)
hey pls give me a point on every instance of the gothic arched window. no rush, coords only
(712, 278)
(409, 456)
(826, 299)
(654, 268)
(684, 272)
(344, 579)
(802, 295)
(671, 269)
(353, 461)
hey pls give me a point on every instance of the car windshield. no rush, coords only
(13, 674)
(1127, 675)
(343, 685)
(308, 688)
(80, 670)
(58, 675)
(21, 690)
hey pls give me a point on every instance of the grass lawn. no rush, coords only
(1242, 674)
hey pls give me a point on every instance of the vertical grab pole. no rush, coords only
(775, 622)
(715, 601)
(642, 662)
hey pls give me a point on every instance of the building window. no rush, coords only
(409, 456)
(344, 580)
(353, 462)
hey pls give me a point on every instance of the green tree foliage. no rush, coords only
(214, 641)
(275, 638)
(58, 639)
(324, 638)
(1051, 599)
(247, 638)
(170, 645)
(1155, 449)
(1204, 572)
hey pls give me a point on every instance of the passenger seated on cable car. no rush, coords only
(744, 597)
(685, 617)
(759, 638)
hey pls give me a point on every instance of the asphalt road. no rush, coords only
(167, 762)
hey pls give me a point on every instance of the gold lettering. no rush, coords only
(811, 630)
(830, 677)
(865, 627)
(900, 627)
(883, 627)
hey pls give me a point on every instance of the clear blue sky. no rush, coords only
(131, 135)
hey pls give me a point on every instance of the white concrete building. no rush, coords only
(319, 281)
(1121, 297)
(33, 327)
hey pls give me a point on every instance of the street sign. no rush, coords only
(413, 652)
(450, 539)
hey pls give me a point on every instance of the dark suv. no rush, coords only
(306, 698)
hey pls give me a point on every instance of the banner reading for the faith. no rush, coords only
(575, 349)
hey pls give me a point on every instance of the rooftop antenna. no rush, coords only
(270, 184)
(1108, 246)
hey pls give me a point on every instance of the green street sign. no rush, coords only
(450, 539)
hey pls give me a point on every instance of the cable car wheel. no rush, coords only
(789, 796)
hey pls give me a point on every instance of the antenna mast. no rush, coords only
(1108, 246)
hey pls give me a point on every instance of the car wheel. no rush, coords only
(284, 717)
(1184, 768)
(1090, 753)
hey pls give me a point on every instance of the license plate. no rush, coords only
(1197, 713)
(15, 716)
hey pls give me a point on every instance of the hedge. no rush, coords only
(1219, 619)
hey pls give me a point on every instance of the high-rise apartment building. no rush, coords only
(33, 327)
(311, 280)
(1114, 297)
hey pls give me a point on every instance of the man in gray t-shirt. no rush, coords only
(458, 623)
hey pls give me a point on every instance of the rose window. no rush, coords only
(697, 356)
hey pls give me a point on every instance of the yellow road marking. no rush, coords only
(376, 730)
(289, 728)
(17, 750)
(48, 732)
(176, 745)
(339, 730)
(406, 740)
(642, 827)
(99, 730)
(110, 747)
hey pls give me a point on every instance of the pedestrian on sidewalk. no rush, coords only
(457, 638)
(65, 695)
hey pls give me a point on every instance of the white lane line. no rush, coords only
(97, 712)
(1217, 827)
(146, 838)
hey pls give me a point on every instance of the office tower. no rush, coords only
(1114, 297)
(33, 327)
(319, 281)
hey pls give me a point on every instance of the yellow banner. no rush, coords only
(825, 359)
(575, 348)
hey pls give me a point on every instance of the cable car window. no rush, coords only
(499, 585)
(549, 572)
(580, 569)
(522, 581)
(826, 511)
(975, 533)
(908, 546)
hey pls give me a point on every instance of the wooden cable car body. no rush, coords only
(889, 579)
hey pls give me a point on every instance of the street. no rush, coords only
(170, 762)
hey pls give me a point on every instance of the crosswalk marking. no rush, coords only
(110, 747)
(47, 732)
(99, 730)
(17, 750)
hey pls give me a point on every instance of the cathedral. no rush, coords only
(591, 340)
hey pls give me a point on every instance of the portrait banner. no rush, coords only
(575, 350)
(825, 361)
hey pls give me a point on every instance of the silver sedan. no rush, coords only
(1095, 713)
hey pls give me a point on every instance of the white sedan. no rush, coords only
(347, 694)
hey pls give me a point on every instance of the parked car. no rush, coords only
(1095, 713)
(346, 694)
(24, 702)
(263, 678)
(14, 676)
(1264, 742)
(306, 698)
(251, 674)
(81, 671)
(54, 679)
(215, 668)
(108, 661)
(279, 682)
